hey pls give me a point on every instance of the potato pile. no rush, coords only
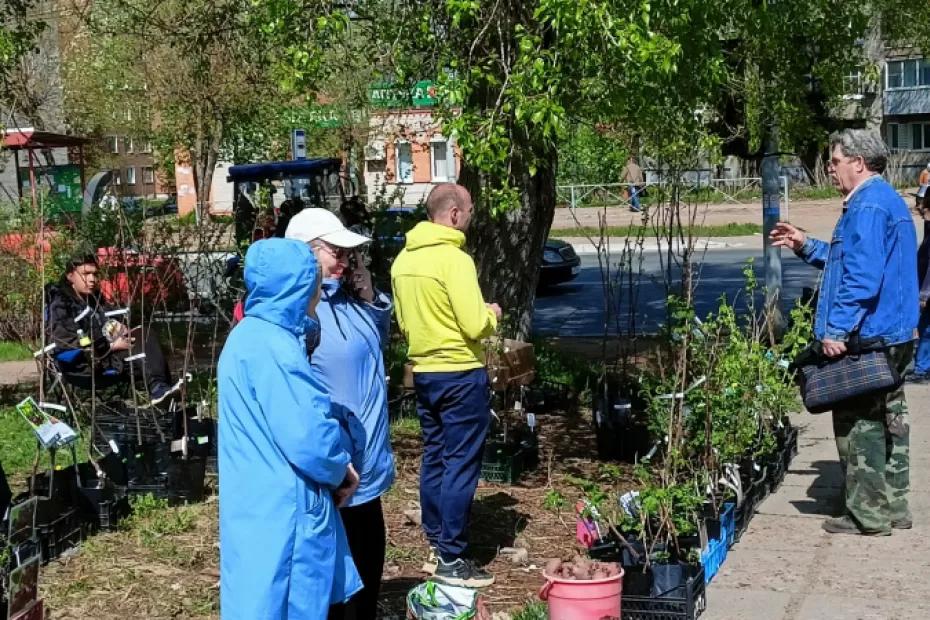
(580, 568)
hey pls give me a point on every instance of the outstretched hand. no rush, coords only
(786, 235)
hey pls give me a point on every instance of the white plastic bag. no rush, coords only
(437, 601)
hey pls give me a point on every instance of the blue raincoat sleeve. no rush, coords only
(313, 444)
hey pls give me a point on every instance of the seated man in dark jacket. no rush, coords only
(94, 349)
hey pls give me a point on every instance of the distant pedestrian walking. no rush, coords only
(632, 175)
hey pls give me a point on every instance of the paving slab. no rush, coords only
(12, 373)
(786, 567)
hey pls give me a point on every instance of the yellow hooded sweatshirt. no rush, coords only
(438, 303)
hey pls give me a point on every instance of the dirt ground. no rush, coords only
(164, 563)
(503, 515)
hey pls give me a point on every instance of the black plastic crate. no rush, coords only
(503, 468)
(60, 535)
(103, 505)
(689, 607)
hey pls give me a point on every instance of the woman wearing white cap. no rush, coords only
(348, 360)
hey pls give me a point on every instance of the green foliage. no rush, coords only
(590, 156)
(553, 501)
(534, 610)
(556, 367)
(152, 519)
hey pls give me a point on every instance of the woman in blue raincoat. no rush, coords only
(283, 463)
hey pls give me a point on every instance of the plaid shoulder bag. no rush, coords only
(824, 381)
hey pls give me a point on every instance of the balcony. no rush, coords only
(901, 101)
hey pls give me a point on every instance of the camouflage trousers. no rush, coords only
(873, 441)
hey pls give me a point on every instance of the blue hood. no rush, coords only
(281, 276)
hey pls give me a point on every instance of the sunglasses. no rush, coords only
(337, 253)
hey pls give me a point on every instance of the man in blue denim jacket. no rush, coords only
(869, 287)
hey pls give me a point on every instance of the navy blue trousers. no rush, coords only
(455, 412)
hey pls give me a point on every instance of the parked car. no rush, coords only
(560, 263)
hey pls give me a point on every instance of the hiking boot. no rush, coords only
(845, 525)
(902, 524)
(462, 572)
(432, 559)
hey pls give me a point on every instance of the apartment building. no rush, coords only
(132, 162)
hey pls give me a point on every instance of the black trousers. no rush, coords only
(367, 541)
(114, 369)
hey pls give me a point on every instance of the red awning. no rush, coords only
(28, 138)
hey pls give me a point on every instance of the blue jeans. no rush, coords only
(922, 357)
(634, 197)
(455, 412)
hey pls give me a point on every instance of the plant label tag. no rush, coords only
(756, 467)
(531, 420)
(113, 446)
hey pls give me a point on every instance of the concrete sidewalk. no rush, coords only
(787, 568)
(13, 373)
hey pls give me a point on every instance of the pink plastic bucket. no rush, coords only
(583, 600)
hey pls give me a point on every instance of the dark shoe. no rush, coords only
(161, 391)
(902, 524)
(462, 572)
(636, 209)
(845, 525)
(917, 377)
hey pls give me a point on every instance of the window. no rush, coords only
(146, 147)
(130, 176)
(894, 139)
(852, 83)
(129, 145)
(148, 175)
(404, 162)
(909, 73)
(113, 144)
(442, 160)
(116, 177)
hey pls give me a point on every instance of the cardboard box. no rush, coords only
(509, 362)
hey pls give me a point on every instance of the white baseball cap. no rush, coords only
(312, 224)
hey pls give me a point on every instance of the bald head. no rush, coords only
(449, 204)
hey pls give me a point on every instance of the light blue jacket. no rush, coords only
(349, 362)
(283, 550)
(870, 269)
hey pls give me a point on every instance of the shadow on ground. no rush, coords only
(825, 492)
(495, 523)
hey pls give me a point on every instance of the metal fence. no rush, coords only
(740, 191)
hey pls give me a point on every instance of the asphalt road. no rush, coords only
(576, 308)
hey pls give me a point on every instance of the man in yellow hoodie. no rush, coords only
(443, 316)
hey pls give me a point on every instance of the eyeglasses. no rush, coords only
(337, 253)
(834, 163)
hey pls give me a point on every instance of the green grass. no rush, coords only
(18, 447)
(732, 229)
(14, 351)
(405, 426)
(17, 443)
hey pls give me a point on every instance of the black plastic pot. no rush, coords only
(637, 580)
(620, 434)
(668, 580)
